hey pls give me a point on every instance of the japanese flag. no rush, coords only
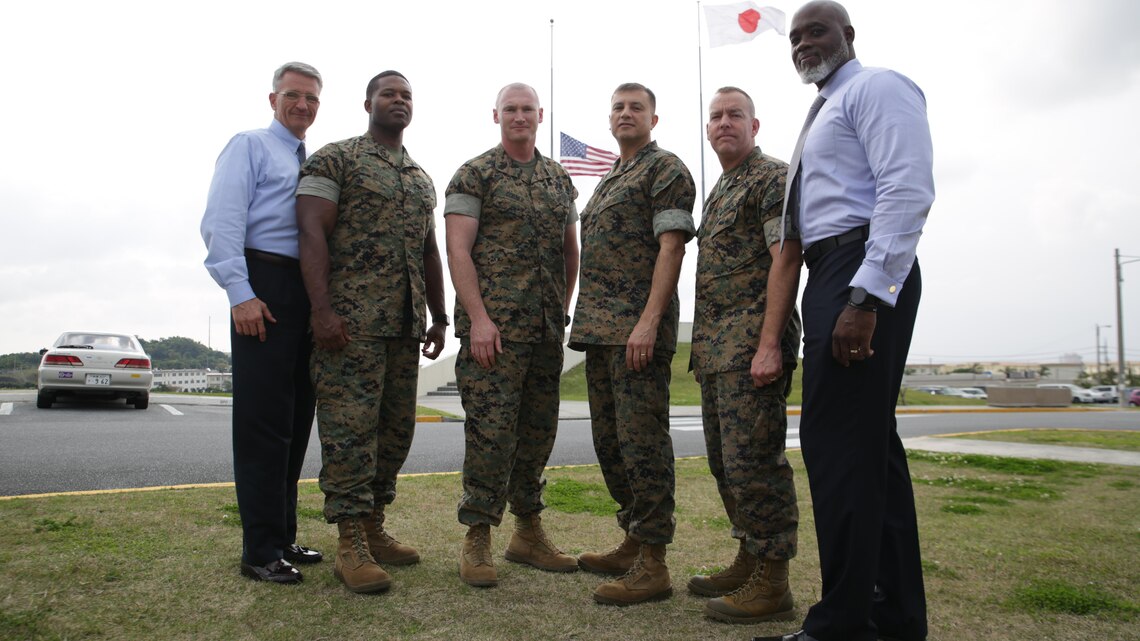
(731, 24)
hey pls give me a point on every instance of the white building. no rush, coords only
(193, 380)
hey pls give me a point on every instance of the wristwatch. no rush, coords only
(860, 299)
(436, 320)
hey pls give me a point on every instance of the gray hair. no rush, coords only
(747, 98)
(297, 67)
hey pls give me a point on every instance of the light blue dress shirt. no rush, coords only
(252, 203)
(868, 159)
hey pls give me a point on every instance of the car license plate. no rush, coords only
(98, 379)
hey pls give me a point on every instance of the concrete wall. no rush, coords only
(1027, 397)
(442, 372)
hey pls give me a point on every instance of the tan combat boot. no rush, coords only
(475, 565)
(616, 561)
(765, 597)
(530, 545)
(647, 580)
(384, 548)
(354, 564)
(728, 579)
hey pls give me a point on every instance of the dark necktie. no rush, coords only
(301, 152)
(792, 187)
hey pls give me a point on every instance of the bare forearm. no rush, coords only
(433, 275)
(666, 273)
(466, 282)
(783, 285)
(573, 260)
(315, 268)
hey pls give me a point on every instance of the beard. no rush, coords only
(827, 66)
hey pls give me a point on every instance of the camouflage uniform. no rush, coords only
(367, 391)
(512, 408)
(745, 426)
(634, 204)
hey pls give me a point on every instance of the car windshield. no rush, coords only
(95, 341)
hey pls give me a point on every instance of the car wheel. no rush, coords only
(142, 401)
(44, 400)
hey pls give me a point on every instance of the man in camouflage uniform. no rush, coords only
(513, 253)
(634, 231)
(370, 262)
(745, 339)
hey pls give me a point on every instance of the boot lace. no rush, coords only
(540, 534)
(360, 542)
(387, 540)
(481, 547)
(754, 579)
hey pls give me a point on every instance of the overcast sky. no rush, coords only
(116, 112)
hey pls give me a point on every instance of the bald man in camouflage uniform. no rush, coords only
(370, 263)
(512, 248)
(634, 231)
(746, 335)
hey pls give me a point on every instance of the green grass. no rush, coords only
(1000, 562)
(1108, 439)
(683, 388)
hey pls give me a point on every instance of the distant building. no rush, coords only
(193, 380)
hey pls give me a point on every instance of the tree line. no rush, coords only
(176, 352)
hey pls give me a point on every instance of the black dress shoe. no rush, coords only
(301, 554)
(798, 635)
(278, 571)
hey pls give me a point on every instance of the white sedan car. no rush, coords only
(96, 365)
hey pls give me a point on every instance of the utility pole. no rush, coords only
(1099, 371)
(1121, 372)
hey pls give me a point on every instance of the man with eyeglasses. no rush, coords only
(370, 264)
(250, 230)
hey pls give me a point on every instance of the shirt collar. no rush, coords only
(842, 75)
(286, 136)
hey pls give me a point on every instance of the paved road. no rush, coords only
(92, 446)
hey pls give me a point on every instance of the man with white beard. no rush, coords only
(860, 186)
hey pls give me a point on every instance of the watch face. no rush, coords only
(858, 295)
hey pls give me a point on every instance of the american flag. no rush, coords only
(580, 159)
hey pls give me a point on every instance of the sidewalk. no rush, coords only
(578, 410)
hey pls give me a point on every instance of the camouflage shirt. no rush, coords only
(384, 215)
(518, 251)
(740, 222)
(633, 204)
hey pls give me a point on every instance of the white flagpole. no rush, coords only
(701, 106)
(551, 109)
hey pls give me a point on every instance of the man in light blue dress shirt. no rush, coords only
(864, 186)
(250, 230)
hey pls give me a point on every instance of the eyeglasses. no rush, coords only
(294, 96)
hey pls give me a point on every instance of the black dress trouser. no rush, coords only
(861, 490)
(272, 413)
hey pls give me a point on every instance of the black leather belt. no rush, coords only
(272, 259)
(819, 248)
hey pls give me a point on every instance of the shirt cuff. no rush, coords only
(877, 284)
(674, 220)
(239, 293)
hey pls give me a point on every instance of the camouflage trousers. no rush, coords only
(366, 417)
(512, 419)
(629, 415)
(745, 431)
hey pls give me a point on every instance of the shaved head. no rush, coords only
(838, 11)
(514, 86)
